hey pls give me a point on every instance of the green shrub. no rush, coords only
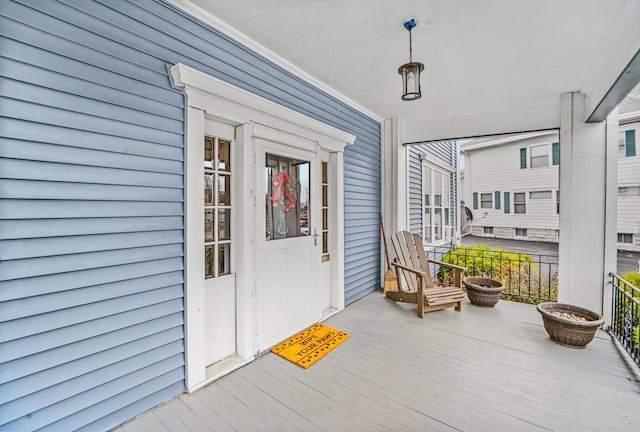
(496, 263)
(634, 279)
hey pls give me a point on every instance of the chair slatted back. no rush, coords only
(424, 261)
(402, 255)
(410, 252)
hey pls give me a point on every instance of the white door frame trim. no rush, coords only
(227, 101)
(209, 97)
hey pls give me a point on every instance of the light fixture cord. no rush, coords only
(410, 47)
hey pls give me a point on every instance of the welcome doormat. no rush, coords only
(310, 345)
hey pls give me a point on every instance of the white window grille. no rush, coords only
(217, 206)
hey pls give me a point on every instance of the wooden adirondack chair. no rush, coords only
(412, 263)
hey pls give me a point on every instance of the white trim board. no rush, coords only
(506, 140)
(206, 17)
(425, 158)
(246, 107)
(629, 117)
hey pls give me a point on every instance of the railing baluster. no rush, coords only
(539, 276)
(548, 279)
(625, 316)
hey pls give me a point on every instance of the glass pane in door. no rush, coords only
(287, 184)
(224, 224)
(224, 189)
(437, 224)
(325, 211)
(208, 189)
(224, 253)
(208, 225)
(224, 155)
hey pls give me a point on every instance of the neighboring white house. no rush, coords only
(511, 185)
(629, 182)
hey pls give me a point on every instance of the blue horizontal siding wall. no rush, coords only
(443, 152)
(91, 202)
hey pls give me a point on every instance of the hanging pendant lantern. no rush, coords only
(411, 71)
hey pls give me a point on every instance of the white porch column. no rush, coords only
(611, 213)
(394, 183)
(588, 189)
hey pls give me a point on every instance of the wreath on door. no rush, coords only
(283, 199)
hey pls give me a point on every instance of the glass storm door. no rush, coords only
(286, 290)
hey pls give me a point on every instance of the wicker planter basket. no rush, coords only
(565, 330)
(483, 292)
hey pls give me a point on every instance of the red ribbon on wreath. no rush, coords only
(282, 183)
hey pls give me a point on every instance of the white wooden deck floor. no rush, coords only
(478, 370)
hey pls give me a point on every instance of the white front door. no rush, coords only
(289, 237)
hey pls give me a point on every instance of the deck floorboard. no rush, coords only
(475, 370)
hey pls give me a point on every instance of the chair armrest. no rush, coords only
(409, 269)
(444, 264)
(457, 270)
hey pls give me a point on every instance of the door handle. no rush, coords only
(315, 236)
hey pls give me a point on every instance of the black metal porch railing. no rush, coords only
(625, 316)
(528, 278)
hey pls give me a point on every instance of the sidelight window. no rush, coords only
(217, 206)
(325, 212)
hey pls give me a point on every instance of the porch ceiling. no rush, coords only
(482, 59)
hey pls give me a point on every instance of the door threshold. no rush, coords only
(221, 368)
(329, 312)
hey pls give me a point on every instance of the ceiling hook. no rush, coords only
(409, 25)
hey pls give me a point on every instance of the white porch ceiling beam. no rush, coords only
(626, 82)
(541, 117)
(616, 71)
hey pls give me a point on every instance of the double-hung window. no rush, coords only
(519, 202)
(436, 192)
(486, 200)
(539, 155)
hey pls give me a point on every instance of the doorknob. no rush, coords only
(315, 236)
